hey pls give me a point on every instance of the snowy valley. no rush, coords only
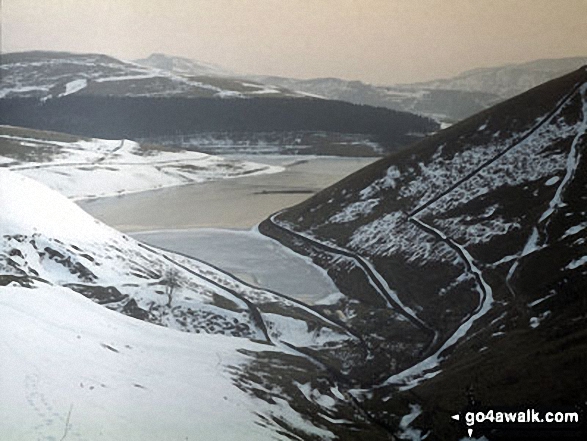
(454, 269)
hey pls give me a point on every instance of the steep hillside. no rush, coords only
(474, 242)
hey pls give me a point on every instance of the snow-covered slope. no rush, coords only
(70, 363)
(56, 74)
(472, 242)
(71, 368)
(47, 238)
(184, 66)
(88, 168)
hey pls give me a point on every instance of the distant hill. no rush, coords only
(185, 66)
(447, 100)
(464, 258)
(49, 75)
(90, 168)
(509, 80)
(443, 105)
(99, 96)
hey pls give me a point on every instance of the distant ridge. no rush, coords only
(184, 65)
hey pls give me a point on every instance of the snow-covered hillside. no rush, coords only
(68, 364)
(73, 369)
(49, 75)
(98, 96)
(88, 168)
(184, 66)
(472, 242)
(48, 239)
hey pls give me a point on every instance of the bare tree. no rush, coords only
(171, 281)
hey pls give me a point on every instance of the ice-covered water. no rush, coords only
(250, 256)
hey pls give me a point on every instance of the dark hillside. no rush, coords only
(143, 117)
(474, 241)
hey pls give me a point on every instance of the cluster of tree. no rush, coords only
(146, 117)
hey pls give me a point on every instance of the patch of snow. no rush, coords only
(315, 396)
(75, 86)
(482, 231)
(354, 211)
(330, 299)
(416, 381)
(254, 85)
(144, 76)
(574, 230)
(297, 333)
(388, 181)
(577, 263)
(264, 92)
(5, 91)
(531, 244)
(405, 431)
(310, 95)
(552, 181)
(505, 259)
(286, 412)
(536, 321)
(537, 302)
(228, 94)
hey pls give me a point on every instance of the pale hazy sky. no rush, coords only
(378, 41)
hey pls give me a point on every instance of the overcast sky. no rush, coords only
(378, 41)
